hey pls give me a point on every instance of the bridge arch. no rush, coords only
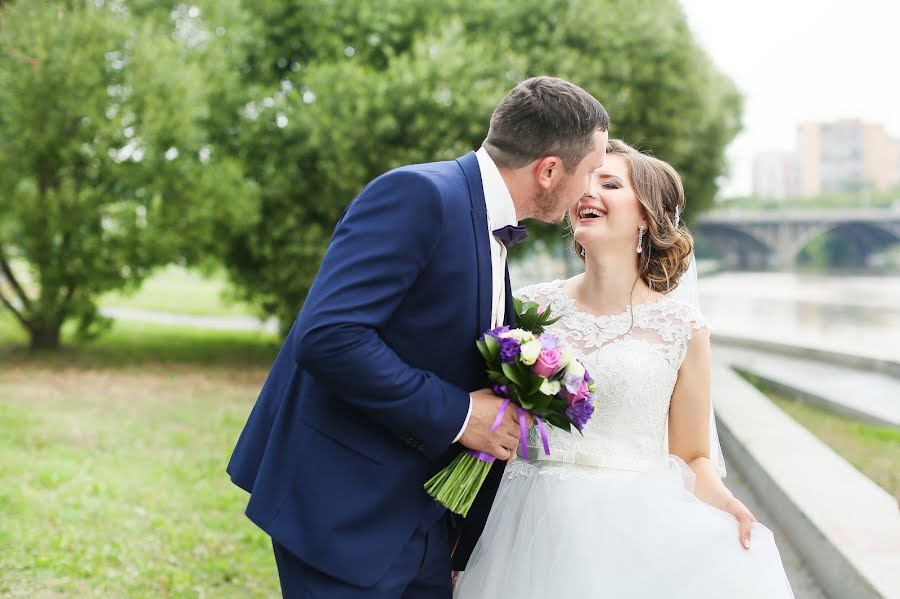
(775, 239)
(861, 240)
(740, 247)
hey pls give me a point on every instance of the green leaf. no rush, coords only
(493, 348)
(483, 350)
(511, 373)
(536, 382)
(540, 402)
(560, 421)
(517, 305)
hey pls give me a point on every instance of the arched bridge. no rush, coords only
(774, 239)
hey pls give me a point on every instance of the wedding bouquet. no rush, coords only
(529, 368)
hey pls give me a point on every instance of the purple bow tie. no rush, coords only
(510, 235)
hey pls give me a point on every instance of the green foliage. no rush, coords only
(134, 134)
(345, 91)
(107, 168)
(530, 317)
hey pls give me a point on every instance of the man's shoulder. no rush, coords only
(443, 180)
(447, 172)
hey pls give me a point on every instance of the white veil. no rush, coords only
(688, 291)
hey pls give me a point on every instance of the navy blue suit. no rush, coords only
(371, 385)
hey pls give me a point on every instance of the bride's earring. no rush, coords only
(583, 253)
(640, 245)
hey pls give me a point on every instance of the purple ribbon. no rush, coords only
(481, 455)
(524, 432)
(544, 439)
(500, 414)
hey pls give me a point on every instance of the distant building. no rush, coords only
(846, 155)
(895, 160)
(777, 175)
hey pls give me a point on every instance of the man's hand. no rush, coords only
(454, 579)
(503, 441)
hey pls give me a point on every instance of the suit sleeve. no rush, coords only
(381, 245)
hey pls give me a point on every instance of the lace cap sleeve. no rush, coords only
(693, 318)
(673, 322)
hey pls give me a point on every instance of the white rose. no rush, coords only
(565, 358)
(530, 351)
(519, 335)
(550, 387)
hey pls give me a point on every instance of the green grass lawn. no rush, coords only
(175, 289)
(112, 466)
(134, 343)
(873, 450)
(170, 289)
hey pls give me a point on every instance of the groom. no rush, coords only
(379, 384)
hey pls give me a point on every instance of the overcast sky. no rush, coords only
(801, 60)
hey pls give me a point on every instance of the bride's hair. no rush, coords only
(667, 245)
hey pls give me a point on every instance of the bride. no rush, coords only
(634, 508)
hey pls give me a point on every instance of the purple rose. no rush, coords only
(547, 363)
(509, 349)
(580, 412)
(578, 396)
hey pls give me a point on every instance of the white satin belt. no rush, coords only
(584, 458)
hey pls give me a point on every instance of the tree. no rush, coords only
(106, 166)
(344, 91)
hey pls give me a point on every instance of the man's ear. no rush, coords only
(548, 171)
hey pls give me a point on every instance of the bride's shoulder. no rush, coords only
(681, 311)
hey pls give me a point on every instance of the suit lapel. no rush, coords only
(469, 166)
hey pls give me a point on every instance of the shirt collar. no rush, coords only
(500, 208)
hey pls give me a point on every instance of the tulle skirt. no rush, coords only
(566, 531)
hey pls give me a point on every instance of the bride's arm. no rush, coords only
(689, 432)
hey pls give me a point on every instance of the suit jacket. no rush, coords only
(371, 385)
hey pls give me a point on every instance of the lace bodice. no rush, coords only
(635, 366)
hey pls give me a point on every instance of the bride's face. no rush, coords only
(610, 213)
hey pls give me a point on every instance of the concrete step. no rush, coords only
(844, 526)
(862, 394)
(873, 360)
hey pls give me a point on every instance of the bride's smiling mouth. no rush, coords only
(587, 213)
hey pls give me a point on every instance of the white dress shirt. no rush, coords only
(500, 212)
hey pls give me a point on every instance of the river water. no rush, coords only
(857, 314)
(849, 313)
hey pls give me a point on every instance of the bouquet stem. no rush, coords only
(456, 486)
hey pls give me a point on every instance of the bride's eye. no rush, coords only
(611, 185)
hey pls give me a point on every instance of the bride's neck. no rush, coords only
(609, 284)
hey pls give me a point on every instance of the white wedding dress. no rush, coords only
(611, 514)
